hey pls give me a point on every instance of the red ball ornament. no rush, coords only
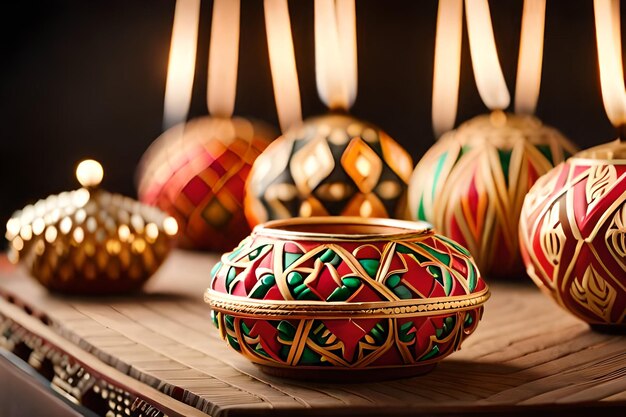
(196, 172)
(573, 235)
(471, 184)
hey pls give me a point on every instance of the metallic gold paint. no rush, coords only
(384, 294)
(197, 174)
(90, 242)
(471, 184)
(331, 165)
(573, 236)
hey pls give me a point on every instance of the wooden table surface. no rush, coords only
(526, 354)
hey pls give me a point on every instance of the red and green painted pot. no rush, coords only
(335, 294)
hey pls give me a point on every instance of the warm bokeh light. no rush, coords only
(447, 64)
(38, 226)
(223, 58)
(51, 234)
(13, 228)
(336, 52)
(123, 232)
(152, 232)
(487, 71)
(170, 226)
(282, 63)
(182, 62)
(89, 173)
(530, 56)
(608, 36)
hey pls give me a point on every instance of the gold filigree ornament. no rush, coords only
(89, 241)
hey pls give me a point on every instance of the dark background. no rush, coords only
(86, 79)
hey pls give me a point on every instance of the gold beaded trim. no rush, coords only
(280, 309)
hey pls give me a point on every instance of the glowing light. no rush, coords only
(80, 216)
(282, 63)
(338, 190)
(182, 62)
(18, 243)
(223, 57)
(608, 36)
(363, 166)
(123, 232)
(152, 232)
(13, 227)
(137, 222)
(26, 232)
(530, 56)
(139, 245)
(336, 52)
(78, 235)
(170, 226)
(113, 247)
(487, 70)
(66, 225)
(51, 234)
(89, 173)
(38, 226)
(91, 225)
(447, 64)
(310, 165)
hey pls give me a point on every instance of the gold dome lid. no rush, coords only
(89, 240)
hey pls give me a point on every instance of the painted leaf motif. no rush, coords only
(616, 233)
(594, 294)
(552, 235)
(601, 178)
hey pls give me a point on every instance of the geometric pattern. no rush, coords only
(198, 177)
(471, 184)
(573, 238)
(347, 304)
(332, 165)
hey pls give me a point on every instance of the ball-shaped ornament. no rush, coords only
(330, 165)
(573, 235)
(471, 184)
(197, 171)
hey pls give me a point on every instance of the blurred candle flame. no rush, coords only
(530, 56)
(336, 52)
(447, 64)
(182, 62)
(282, 63)
(223, 58)
(608, 36)
(487, 71)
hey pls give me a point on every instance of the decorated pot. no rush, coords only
(196, 172)
(89, 241)
(346, 297)
(471, 184)
(331, 165)
(573, 235)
